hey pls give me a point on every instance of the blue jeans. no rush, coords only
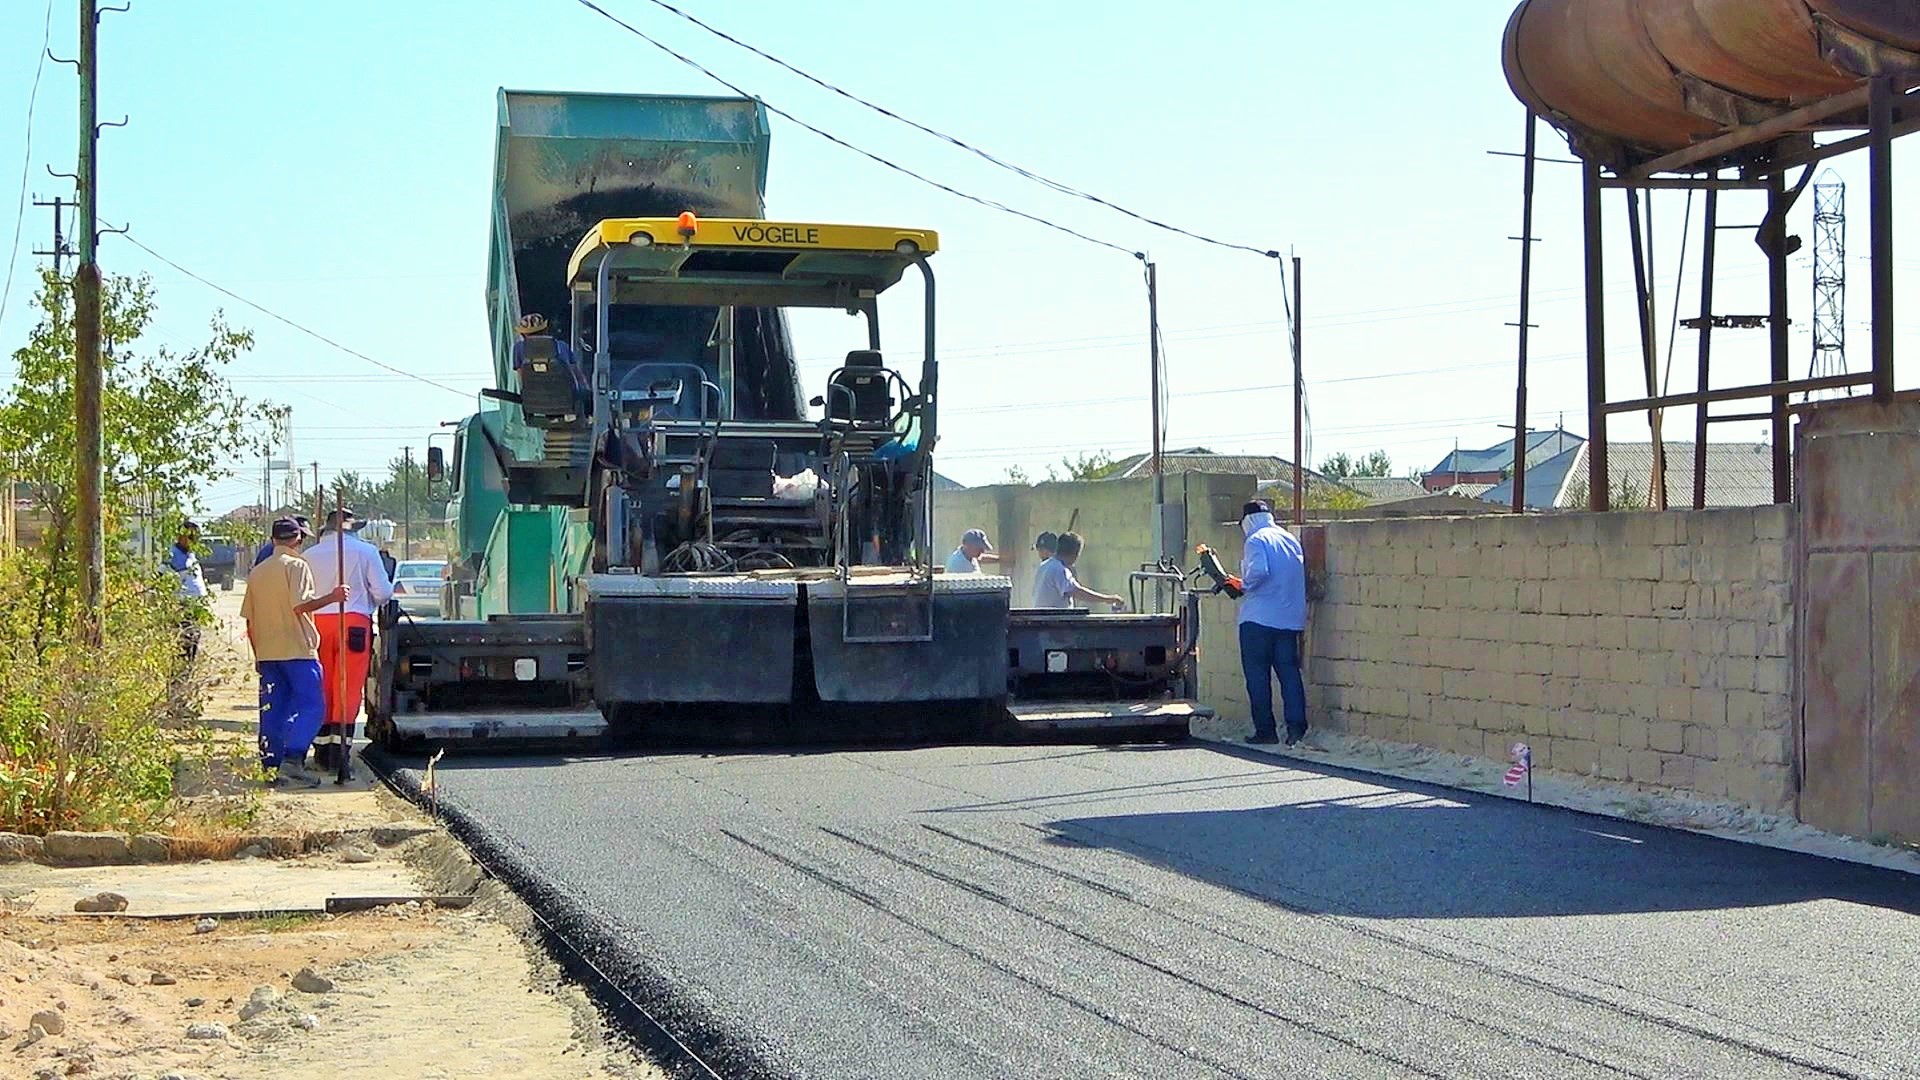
(1264, 649)
(292, 705)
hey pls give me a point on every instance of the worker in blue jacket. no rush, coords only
(1273, 615)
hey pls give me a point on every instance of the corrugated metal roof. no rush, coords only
(1380, 489)
(1541, 446)
(1200, 460)
(1738, 474)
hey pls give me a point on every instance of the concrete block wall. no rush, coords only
(1645, 647)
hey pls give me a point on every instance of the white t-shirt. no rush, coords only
(1054, 585)
(958, 563)
(366, 575)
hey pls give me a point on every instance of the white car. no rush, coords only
(416, 585)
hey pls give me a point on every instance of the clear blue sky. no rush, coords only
(333, 162)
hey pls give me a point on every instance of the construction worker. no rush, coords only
(974, 549)
(185, 564)
(1273, 614)
(1044, 546)
(346, 642)
(278, 608)
(1056, 586)
(266, 549)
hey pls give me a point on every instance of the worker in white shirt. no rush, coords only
(974, 549)
(345, 668)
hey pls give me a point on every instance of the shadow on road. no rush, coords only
(1401, 850)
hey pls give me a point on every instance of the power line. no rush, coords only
(271, 314)
(1055, 185)
(26, 159)
(838, 141)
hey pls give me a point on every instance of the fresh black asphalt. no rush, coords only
(1185, 911)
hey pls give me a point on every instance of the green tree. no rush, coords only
(1017, 474)
(171, 420)
(1342, 466)
(1098, 465)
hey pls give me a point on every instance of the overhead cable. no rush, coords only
(1045, 181)
(276, 316)
(838, 141)
(26, 157)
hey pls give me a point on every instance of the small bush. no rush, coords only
(84, 739)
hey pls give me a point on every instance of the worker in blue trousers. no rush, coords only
(279, 608)
(1273, 615)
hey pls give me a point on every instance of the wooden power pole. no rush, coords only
(89, 375)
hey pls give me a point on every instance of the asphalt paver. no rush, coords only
(1185, 911)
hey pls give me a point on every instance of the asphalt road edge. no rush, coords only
(678, 1034)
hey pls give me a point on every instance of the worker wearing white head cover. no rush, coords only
(1273, 614)
(350, 561)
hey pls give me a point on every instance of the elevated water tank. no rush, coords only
(1628, 79)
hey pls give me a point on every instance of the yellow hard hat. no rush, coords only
(532, 324)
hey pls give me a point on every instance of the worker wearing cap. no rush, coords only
(346, 642)
(185, 564)
(1273, 614)
(974, 549)
(1044, 546)
(266, 549)
(278, 608)
(1056, 587)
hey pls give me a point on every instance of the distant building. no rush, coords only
(1272, 474)
(1738, 474)
(1386, 489)
(1493, 465)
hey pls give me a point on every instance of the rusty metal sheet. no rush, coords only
(1596, 65)
(1894, 22)
(1895, 735)
(1761, 48)
(1837, 693)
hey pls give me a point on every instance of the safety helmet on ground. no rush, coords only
(532, 324)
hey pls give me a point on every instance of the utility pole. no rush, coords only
(89, 375)
(406, 501)
(1299, 408)
(1153, 353)
(60, 249)
(1526, 296)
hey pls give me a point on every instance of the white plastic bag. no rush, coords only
(801, 488)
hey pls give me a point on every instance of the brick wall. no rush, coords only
(1651, 647)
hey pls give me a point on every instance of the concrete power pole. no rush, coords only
(406, 501)
(89, 481)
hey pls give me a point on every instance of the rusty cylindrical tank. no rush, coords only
(1627, 79)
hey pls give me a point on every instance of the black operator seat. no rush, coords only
(549, 394)
(861, 392)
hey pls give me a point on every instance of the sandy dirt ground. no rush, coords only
(416, 991)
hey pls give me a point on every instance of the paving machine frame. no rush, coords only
(683, 546)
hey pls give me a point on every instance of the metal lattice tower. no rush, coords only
(1829, 277)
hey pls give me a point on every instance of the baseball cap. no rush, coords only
(287, 528)
(189, 525)
(1255, 506)
(976, 536)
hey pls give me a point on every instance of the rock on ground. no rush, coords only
(207, 1031)
(206, 926)
(87, 848)
(309, 981)
(49, 1021)
(15, 847)
(98, 902)
(261, 1000)
(151, 848)
(161, 978)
